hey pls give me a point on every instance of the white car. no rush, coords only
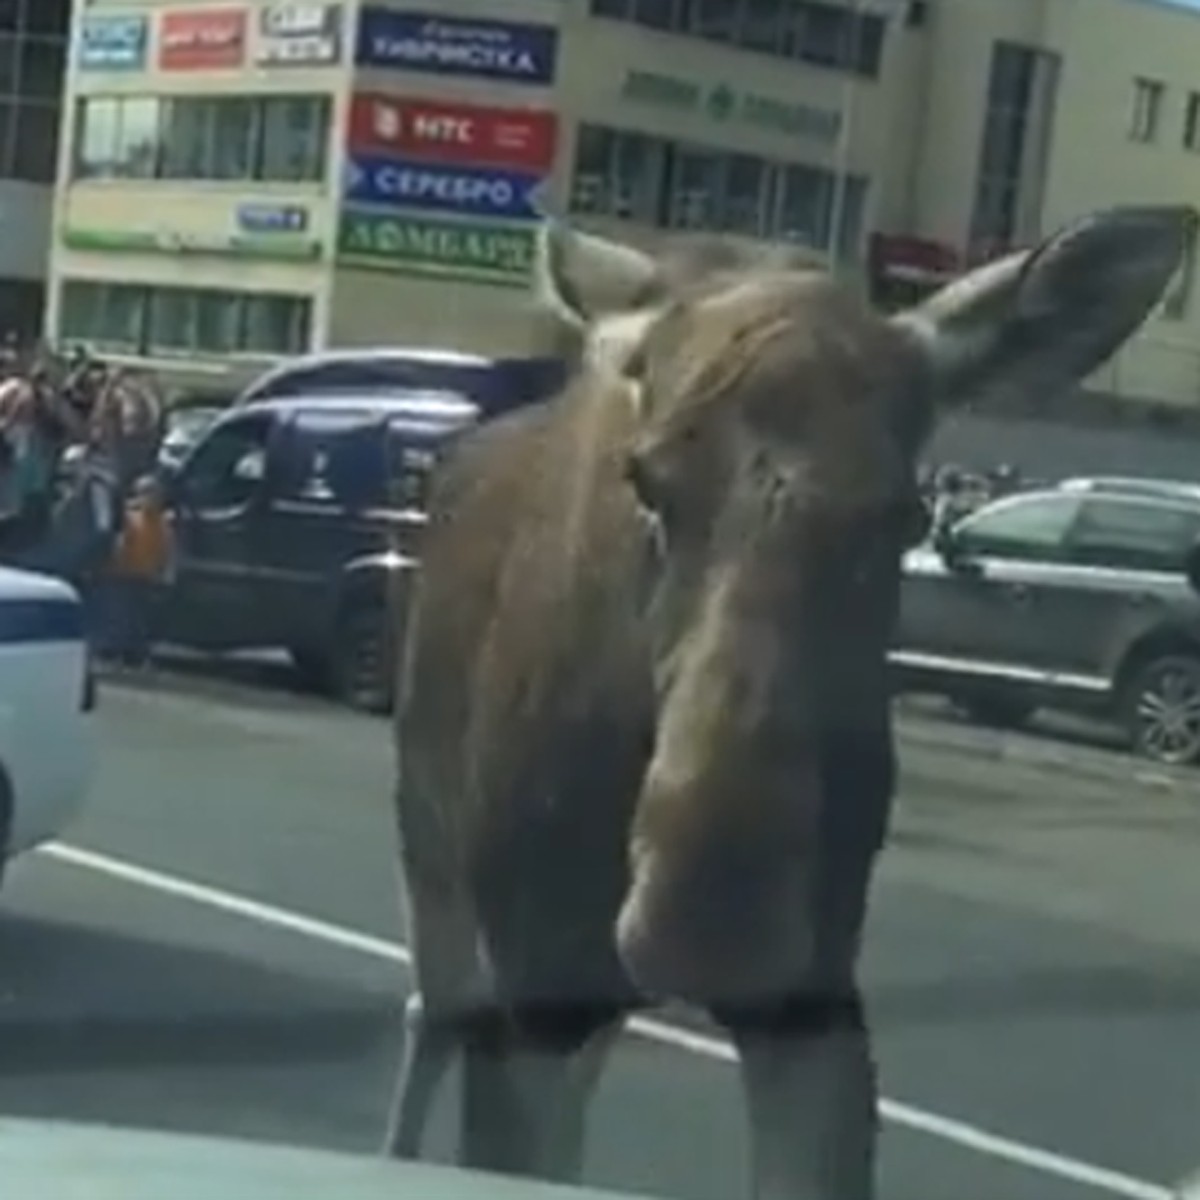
(47, 697)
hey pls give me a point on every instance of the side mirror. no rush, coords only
(952, 552)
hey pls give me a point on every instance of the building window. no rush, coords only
(1017, 123)
(1191, 122)
(674, 185)
(228, 138)
(147, 320)
(1147, 109)
(821, 34)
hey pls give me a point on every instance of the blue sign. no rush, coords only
(457, 46)
(470, 190)
(272, 218)
(108, 43)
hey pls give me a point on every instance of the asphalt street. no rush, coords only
(216, 947)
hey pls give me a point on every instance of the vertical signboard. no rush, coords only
(202, 39)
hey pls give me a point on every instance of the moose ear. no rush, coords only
(1046, 318)
(585, 278)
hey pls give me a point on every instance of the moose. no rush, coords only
(643, 716)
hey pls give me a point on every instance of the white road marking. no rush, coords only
(960, 1133)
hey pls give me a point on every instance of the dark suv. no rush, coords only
(296, 524)
(1075, 597)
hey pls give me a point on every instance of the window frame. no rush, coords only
(966, 539)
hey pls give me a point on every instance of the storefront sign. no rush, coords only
(478, 251)
(474, 191)
(201, 40)
(414, 41)
(112, 43)
(299, 34)
(279, 247)
(458, 133)
(726, 105)
(272, 218)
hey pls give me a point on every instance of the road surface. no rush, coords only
(217, 947)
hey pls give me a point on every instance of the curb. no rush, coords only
(1080, 762)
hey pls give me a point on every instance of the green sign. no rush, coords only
(482, 251)
(726, 105)
(274, 247)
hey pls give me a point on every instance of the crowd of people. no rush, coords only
(79, 492)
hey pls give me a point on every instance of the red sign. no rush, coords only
(202, 40)
(458, 133)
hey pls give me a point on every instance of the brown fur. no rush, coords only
(644, 735)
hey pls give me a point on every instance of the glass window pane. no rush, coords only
(636, 177)
(695, 190)
(36, 152)
(763, 23)
(44, 16)
(825, 35)
(715, 19)
(745, 195)
(853, 205)
(79, 310)
(656, 14)
(217, 322)
(137, 137)
(97, 130)
(10, 12)
(8, 65)
(233, 138)
(1026, 528)
(806, 195)
(276, 324)
(42, 65)
(593, 160)
(187, 139)
(172, 319)
(295, 133)
(1121, 533)
(114, 318)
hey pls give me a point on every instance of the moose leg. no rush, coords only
(527, 1082)
(429, 1045)
(810, 1091)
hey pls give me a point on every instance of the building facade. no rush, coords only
(241, 181)
(33, 54)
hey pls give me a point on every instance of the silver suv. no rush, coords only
(1082, 596)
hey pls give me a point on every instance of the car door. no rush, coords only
(321, 513)
(1123, 566)
(217, 496)
(976, 611)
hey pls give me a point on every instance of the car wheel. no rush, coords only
(362, 666)
(1161, 709)
(1001, 712)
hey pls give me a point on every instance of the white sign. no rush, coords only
(299, 33)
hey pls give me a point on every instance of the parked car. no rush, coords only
(296, 520)
(1080, 598)
(47, 696)
(185, 426)
(495, 385)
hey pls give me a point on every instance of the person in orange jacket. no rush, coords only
(140, 566)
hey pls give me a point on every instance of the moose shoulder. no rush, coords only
(643, 731)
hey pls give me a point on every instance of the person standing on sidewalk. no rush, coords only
(140, 565)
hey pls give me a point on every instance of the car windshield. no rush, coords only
(604, 592)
